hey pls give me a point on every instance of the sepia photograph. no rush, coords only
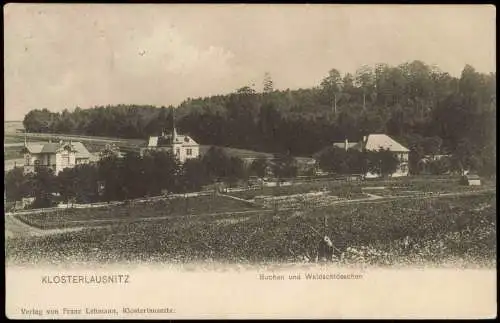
(249, 161)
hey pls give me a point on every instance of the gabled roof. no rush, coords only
(34, 148)
(167, 140)
(81, 150)
(374, 142)
(382, 141)
(52, 148)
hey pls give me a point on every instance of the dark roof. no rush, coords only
(52, 148)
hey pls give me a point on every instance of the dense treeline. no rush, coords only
(424, 108)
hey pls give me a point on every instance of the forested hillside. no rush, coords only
(421, 106)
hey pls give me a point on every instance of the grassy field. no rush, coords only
(12, 139)
(438, 230)
(12, 126)
(12, 153)
(235, 152)
(72, 217)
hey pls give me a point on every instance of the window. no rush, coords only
(65, 160)
(177, 151)
(27, 160)
(189, 152)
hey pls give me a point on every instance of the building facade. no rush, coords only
(375, 142)
(54, 156)
(183, 147)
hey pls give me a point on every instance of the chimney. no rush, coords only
(363, 144)
(346, 144)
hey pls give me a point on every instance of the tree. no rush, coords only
(340, 161)
(216, 163)
(382, 162)
(16, 184)
(110, 150)
(38, 121)
(44, 185)
(160, 172)
(67, 185)
(194, 175)
(440, 166)
(236, 170)
(133, 174)
(259, 167)
(79, 184)
(268, 83)
(110, 173)
(331, 86)
(432, 145)
(284, 166)
(464, 157)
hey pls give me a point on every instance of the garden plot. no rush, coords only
(312, 199)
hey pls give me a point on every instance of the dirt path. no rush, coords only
(14, 227)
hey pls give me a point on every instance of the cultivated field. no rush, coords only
(133, 211)
(418, 231)
(343, 189)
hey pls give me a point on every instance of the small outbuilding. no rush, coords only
(471, 180)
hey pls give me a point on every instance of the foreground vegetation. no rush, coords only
(416, 231)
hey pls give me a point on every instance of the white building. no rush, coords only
(375, 142)
(182, 146)
(56, 156)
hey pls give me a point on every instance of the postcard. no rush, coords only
(171, 161)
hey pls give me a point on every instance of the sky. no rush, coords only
(59, 56)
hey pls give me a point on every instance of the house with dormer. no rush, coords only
(182, 146)
(55, 156)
